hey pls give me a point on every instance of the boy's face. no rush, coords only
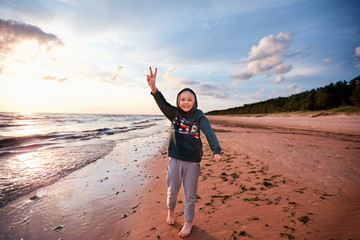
(186, 101)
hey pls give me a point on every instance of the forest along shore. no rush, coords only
(339, 96)
(287, 177)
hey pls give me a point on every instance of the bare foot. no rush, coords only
(171, 217)
(186, 230)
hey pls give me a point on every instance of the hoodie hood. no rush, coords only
(195, 104)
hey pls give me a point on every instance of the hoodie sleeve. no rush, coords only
(167, 109)
(210, 135)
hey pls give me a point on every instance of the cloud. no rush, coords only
(280, 69)
(204, 89)
(71, 2)
(51, 78)
(270, 45)
(13, 32)
(178, 82)
(257, 96)
(265, 57)
(326, 60)
(116, 77)
(293, 88)
(357, 57)
(357, 51)
(279, 80)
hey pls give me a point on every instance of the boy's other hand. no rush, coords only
(217, 157)
(151, 79)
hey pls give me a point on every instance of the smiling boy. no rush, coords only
(184, 149)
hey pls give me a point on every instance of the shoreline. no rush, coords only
(251, 195)
(88, 203)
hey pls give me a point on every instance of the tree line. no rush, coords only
(334, 95)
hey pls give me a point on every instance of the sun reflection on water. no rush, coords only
(27, 166)
(31, 162)
(26, 124)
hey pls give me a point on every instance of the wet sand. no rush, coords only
(280, 178)
(89, 203)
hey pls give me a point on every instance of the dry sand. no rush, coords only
(280, 178)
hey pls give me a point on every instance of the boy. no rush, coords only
(184, 149)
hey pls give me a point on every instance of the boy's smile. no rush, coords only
(186, 101)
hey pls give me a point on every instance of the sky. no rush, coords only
(92, 56)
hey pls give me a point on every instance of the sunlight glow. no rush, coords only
(26, 126)
(30, 163)
(26, 94)
(27, 166)
(25, 50)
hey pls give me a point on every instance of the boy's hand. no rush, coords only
(151, 79)
(217, 157)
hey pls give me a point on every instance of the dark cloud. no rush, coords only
(13, 32)
(211, 91)
(201, 88)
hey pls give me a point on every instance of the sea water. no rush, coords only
(38, 149)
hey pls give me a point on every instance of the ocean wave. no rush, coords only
(58, 163)
(37, 150)
(140, 122)
(22, 140)
(10, 125)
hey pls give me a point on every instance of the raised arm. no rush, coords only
(168, 110)
(151, 79)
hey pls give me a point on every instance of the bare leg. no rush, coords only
(186, 230)
(171, 217)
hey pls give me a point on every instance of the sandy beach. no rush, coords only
(281, 177)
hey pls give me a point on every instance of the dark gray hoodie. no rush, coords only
(184, 141)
